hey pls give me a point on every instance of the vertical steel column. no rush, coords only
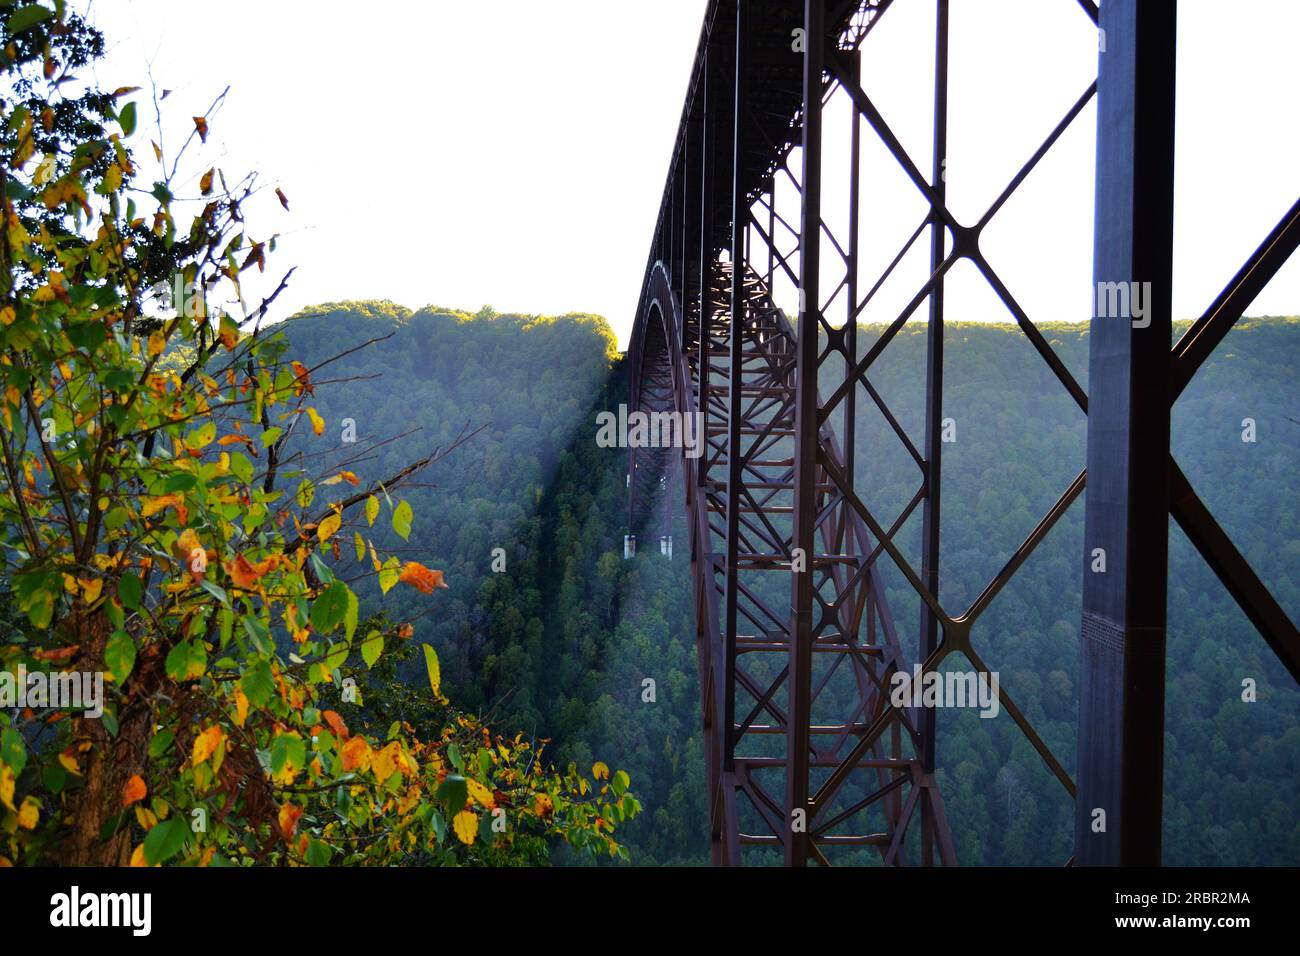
(686, 221)
(799, 680)
(735, 406)
(707, 149)
(930, 514)
(1121, 725)
(771, 232)
(670, 227)
(851, 286)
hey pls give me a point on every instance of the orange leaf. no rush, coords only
(303, 384)
(155, 505)
(336, 724)
(289, 815)
(245, 573)
(201, 124)
(134, 791)
(421, 578)
(356, 754)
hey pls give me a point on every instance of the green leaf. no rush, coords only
(287, 749)
(119, 655)
(453, 792)
(329, 610)
(318, 853)
(13, 752)
(241, 467)
(126, 119)
(165, 840)
(40, 611)
(160, 743)
(54, 777)
(259, 634)
(620, 782)
(26, 18)
(402, 516)
(335, 656)
(372, 647)
(130, 590)
(350, 616)
(216, 591)
(202, 436)
(187, 661)
(258, 684)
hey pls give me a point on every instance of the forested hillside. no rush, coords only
(554, 633)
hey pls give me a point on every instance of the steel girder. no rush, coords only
(776, 481)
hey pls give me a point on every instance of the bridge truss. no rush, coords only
(808, 759)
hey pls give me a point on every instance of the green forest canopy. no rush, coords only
(559, 643)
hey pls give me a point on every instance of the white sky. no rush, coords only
(514, 152)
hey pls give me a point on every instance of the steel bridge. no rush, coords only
(806, 756)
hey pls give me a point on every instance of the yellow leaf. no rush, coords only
(207, 742)
(7, 787)
(28, 814)
(360, 545)
(543, 806)
(384, 762)
(435, 671)
(241, 708)
(157, 342)
(205, 182)
(328, 526)
(90, 589)
(466, 826)
(480, 794)
(372, 509)
(137, 856)
(69, 763)
(600, 771)
(317, 423)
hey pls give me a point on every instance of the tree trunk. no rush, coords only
(105, 766)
